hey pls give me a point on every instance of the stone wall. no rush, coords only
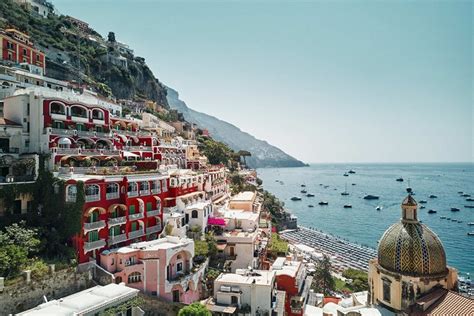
(27, 294)
(154, 306)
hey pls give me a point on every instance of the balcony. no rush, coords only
(132, 193)
(112, 195)
(153, 213)
(94, 225)
(144, 192)
(93, 245)
(138, 148)
(117, 239)
(59, 116)
(135, 216)
(92, 198)
(136, 233)
(85, 152)
(155, 191)
(153, 229)
(117, 221)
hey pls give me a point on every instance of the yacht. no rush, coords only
(296, 198)
(442, 217)
(470, 200)
(422, 201)
(379, 208)
(350, 206)
(345, 191)
(311, 205)
(432, 196)
(399, 179)
(371, 197)
(346, 174)
(454, 209)
(469, 206)
(303, 191)
(465, 195)
(351, 171)
(470, 234)
(310, 195)
(431, 212)
(422, 207)
(323, 203)
(471, 223)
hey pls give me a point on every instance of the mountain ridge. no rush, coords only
(263, 153)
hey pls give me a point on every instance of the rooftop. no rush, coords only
(246, 196)
(283, 266)
(93, 299)
(243, 276)
(442, 302)
(168, 242)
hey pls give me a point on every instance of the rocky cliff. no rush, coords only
(263, 154)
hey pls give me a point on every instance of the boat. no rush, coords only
(432, 196)
(303, 185)
(431, 212)
(323, 203)
(304, 191)
(460, 192)
(466, 195)
(351, 171)
(347, 206)
(442, 217)
(326, 186)
(399, 179)
(310, 195)
(346, 175)
(454, 209)
(296, 198)
(459, 221)
(353, 184)
(311, 205)
(469, 206)
(379, 208)
(471, 223)
(422, 201)
(422, 207)
(448, 218)
(470, 233)
(345, 191)
(469, 200)
(371, 197)
(454, 220)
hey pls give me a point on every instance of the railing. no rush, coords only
(155, 191)
(153, 213)
(153, 229)
(11, 150)
(117, 220)
(92, 245)
(136, 233)
(138, 148)
(94, 225)
(136, 216)
(132, 193)
(91, 198)
(86, 152)
(170, 209)
(12, 179)
(144, 192)
(112, 195)
(116, 239)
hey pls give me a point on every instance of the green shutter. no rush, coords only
(131, 209)
(149, 207)
(134, 226)
(93, 235)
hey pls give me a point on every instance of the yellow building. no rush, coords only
(411, 261)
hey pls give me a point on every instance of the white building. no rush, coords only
(247, 291)
(89, 302)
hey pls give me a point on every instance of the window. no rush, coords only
(194, 214)
(112, 188)
(386, 290)
(234, 300)
(97, 114)
(93, 236)
(92, 189)
(179, 267)
(131, 209)
(132, 188)
(134, 277)
(71, 193)
(164, 186)
(155, 186)
(144, 187)
(78, 111)
(57, 108)
(149, 207)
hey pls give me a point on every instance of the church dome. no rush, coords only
(411, 248)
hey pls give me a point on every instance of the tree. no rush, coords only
(111, 37)
(323, 280)
(195, 309)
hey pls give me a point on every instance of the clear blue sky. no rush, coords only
(326, 81)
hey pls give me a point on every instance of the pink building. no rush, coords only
(162, 267)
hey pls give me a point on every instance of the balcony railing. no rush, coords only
(92, 245)
(117, 239)
(112, 195)
(170, 209)
(85, 152)
(138, 148)
(136, 216)
(156, 191)
(136, 233)
(94, 225)
(117, 220)
(11, 150)
(153, 229)
(132, 193)
(153, 213)
(144, 192)
(91, 198)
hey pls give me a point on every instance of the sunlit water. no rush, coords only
(363, 223)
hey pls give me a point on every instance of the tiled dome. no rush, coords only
(411, 248)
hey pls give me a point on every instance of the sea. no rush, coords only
(362, 223)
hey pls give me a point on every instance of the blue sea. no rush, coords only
(365, 225)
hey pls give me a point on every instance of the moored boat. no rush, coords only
(432, 196)
(379, 208)
(296, 198)
(303, 191)
(465, 195)
(422, 201)
(323, 203)
(469, 206)
(469, 200)
(422, 207)
(454, 209)
(470, 233)
(351, 171)
(347, 206)
(310, 195)
(311, 205)
(400, 179)
(346, 174)
(371, 197)
(431, 212)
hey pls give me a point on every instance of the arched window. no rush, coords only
(92, 192)
(112, 190)
(71, 193)
(144, 186)
(57, 108)
(132, 188)
(97, 114)
(386, 290)
(194, 214)
(78, 111)
(134, 277)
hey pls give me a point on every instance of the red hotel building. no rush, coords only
(18, 48)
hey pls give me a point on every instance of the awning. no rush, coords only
(221, 246)
(129, 154)
(64, 141)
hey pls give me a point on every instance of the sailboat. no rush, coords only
(345, 191)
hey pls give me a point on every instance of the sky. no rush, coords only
(325, 81)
